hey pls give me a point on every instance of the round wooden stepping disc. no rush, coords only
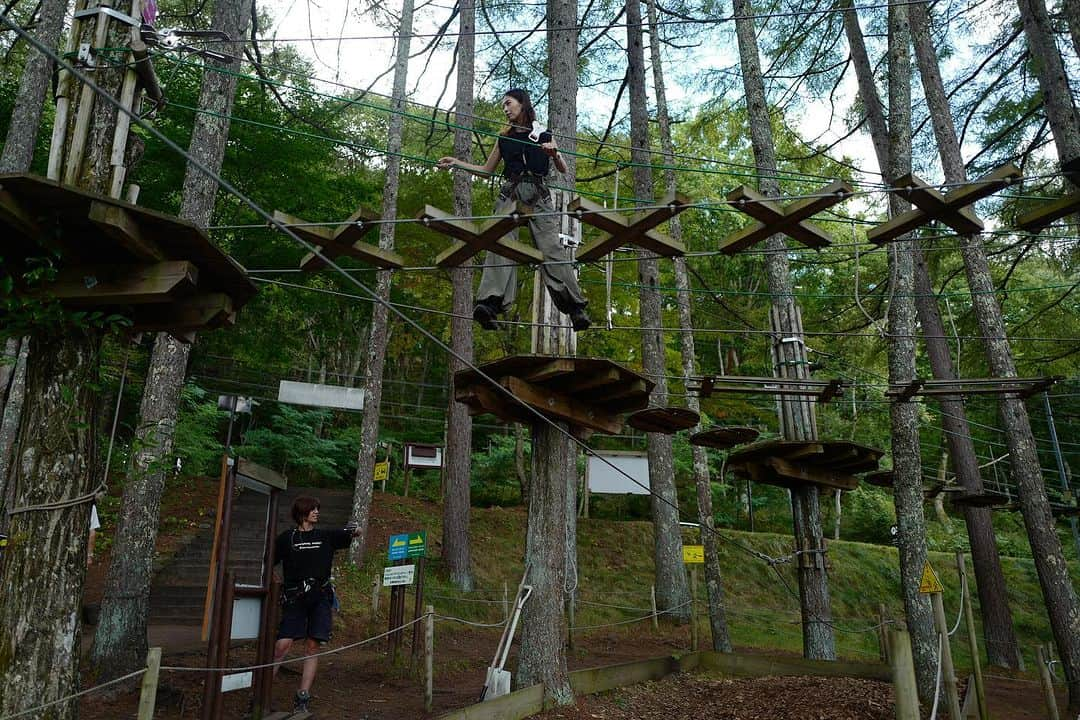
(722, 438)
(879, 478)
(663, 420)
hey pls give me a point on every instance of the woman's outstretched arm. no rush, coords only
(448, 162)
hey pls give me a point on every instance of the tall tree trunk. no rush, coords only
(459, 422)
(797, 417)
(380, 330)
(1050, 70)
(672, 588)
(120, 642)
(9, 425)
(903, 416)
(1071, 11)
(542, 658)
(45, 563)
(44, 566)
(1062, 605)
(18, 152)
(714, 581)
(1002, 648)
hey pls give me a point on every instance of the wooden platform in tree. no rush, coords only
(473, 239)
(1024, 387)
(345, 241)
(666, 420)
(792, 219)
(158, 270)
(639, 229)
(822, 390)
(986, 498)
(723, 438)
(587, 393)
(1039, 217)
(792, 463)
(1064, 509)
(951, 208)
(880, 478)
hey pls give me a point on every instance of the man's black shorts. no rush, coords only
(308, 616)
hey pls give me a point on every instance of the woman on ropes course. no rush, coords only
(527, 157)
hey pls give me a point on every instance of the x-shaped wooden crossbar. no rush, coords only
(472, 238)
(640, 229)
(791, 219)
(950, 208)
(345, 240)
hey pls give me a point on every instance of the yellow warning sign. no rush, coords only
(693, 553)
(929, 582)
(382, 471)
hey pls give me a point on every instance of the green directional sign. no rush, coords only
(408, 545)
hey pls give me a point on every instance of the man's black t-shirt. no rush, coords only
(519, 154)
(308, 554)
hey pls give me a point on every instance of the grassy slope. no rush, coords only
(615, 568)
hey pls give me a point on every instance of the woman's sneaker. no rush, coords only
(485, 315)
(303, 697)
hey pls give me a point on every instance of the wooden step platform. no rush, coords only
(666, 420)
(726, 437)
(987, 498)
(590, 394)
(1023, 387)
(282, 715)
(822, 390)
(793, 463)
(159, 271)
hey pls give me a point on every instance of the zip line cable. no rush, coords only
(372, 294)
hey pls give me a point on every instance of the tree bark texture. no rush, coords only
(672, 588)
(9, 425)
(380, 330)
(868, 91)
(1002, 648)
(1062, 605)
(903, 416)
(1071, 11)
(456, 547)
(714, 581)
(120, 641)
(18, 152)
(45, 563)
(542, 658)
(1053, 80)
(796, 417)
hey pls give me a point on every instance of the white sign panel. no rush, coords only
(236, 681)
(245, 618)
(398, 575)
(605, 480)
(328, 396)
(423, 456)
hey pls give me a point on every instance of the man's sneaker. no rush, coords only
(485, 315)
(303, 697)
(579, 320)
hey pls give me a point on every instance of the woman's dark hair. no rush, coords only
(528, 112)
(302, 506)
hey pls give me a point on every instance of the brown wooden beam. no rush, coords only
(199, 312)
(563, 407)
(123, 227)
(622, 230)
(472, 239)
(553, 369)
(97, 285)
(1035, 220)
(813, 475)
(791, 220)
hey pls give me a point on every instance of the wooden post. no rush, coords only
(652, 599)
(419, 598)
(429, 656)
(903, 675)
(408, 476)
(570, 621)
(148, 694)
(270, 612)
(694, 639)
(375, 588)
(948, 672)
(883, 638)
(973, 639)
(506, 604)
(1042, 659)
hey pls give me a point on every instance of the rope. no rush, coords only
(300, 658)
(632, 620)
(66, 698)
(463, 621)
(937, 677)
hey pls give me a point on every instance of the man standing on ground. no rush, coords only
(306, 555)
